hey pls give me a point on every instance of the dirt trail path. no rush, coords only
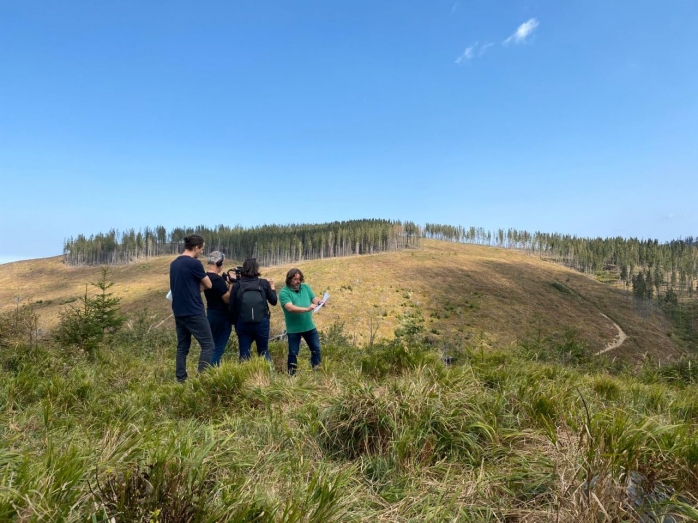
(617, 342)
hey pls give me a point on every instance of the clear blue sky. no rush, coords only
(571, 117)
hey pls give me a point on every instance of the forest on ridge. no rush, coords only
(270, 244)
(652, 269)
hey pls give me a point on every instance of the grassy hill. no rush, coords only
(524, 424)
(463, 293)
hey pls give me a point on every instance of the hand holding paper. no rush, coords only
(324, 299)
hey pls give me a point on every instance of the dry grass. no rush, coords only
(480, 295)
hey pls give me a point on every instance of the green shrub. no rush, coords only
(97, 316)
(411, 329)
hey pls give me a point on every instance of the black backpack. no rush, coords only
(252, 302)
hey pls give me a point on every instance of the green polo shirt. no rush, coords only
(297, 321)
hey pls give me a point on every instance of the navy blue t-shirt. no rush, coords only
(186, 274)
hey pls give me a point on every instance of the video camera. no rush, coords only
(238, 275)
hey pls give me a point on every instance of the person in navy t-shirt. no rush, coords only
(187, 278)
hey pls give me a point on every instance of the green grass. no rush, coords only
(541, 432)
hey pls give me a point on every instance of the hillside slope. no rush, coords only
(482, 296)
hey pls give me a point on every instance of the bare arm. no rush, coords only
(206, 282)
(290, 307)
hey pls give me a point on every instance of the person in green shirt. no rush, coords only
(298, 303)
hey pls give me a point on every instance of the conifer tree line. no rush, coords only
(270, 244)
(653, 269)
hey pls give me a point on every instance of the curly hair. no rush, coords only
(291, 274)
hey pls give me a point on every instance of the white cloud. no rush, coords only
(468, 54)
(484, 48)
(454, 8)
(524, 31)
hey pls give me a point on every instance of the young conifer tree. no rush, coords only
(97, 316)
(105, 306)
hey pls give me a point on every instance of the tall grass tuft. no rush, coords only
(394, 358)
(361, 421)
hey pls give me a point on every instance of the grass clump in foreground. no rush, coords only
(541, 432)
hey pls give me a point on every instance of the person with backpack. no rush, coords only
(298, 303)
(249, 309)
(217, 300)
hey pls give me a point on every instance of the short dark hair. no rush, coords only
(193, 240)
(291, 274)
(250, 268)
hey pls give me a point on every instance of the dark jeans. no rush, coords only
(249, 332)
(188, 326)
(220, 329)
(312, 338)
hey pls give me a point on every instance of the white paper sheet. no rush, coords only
(324, 299)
